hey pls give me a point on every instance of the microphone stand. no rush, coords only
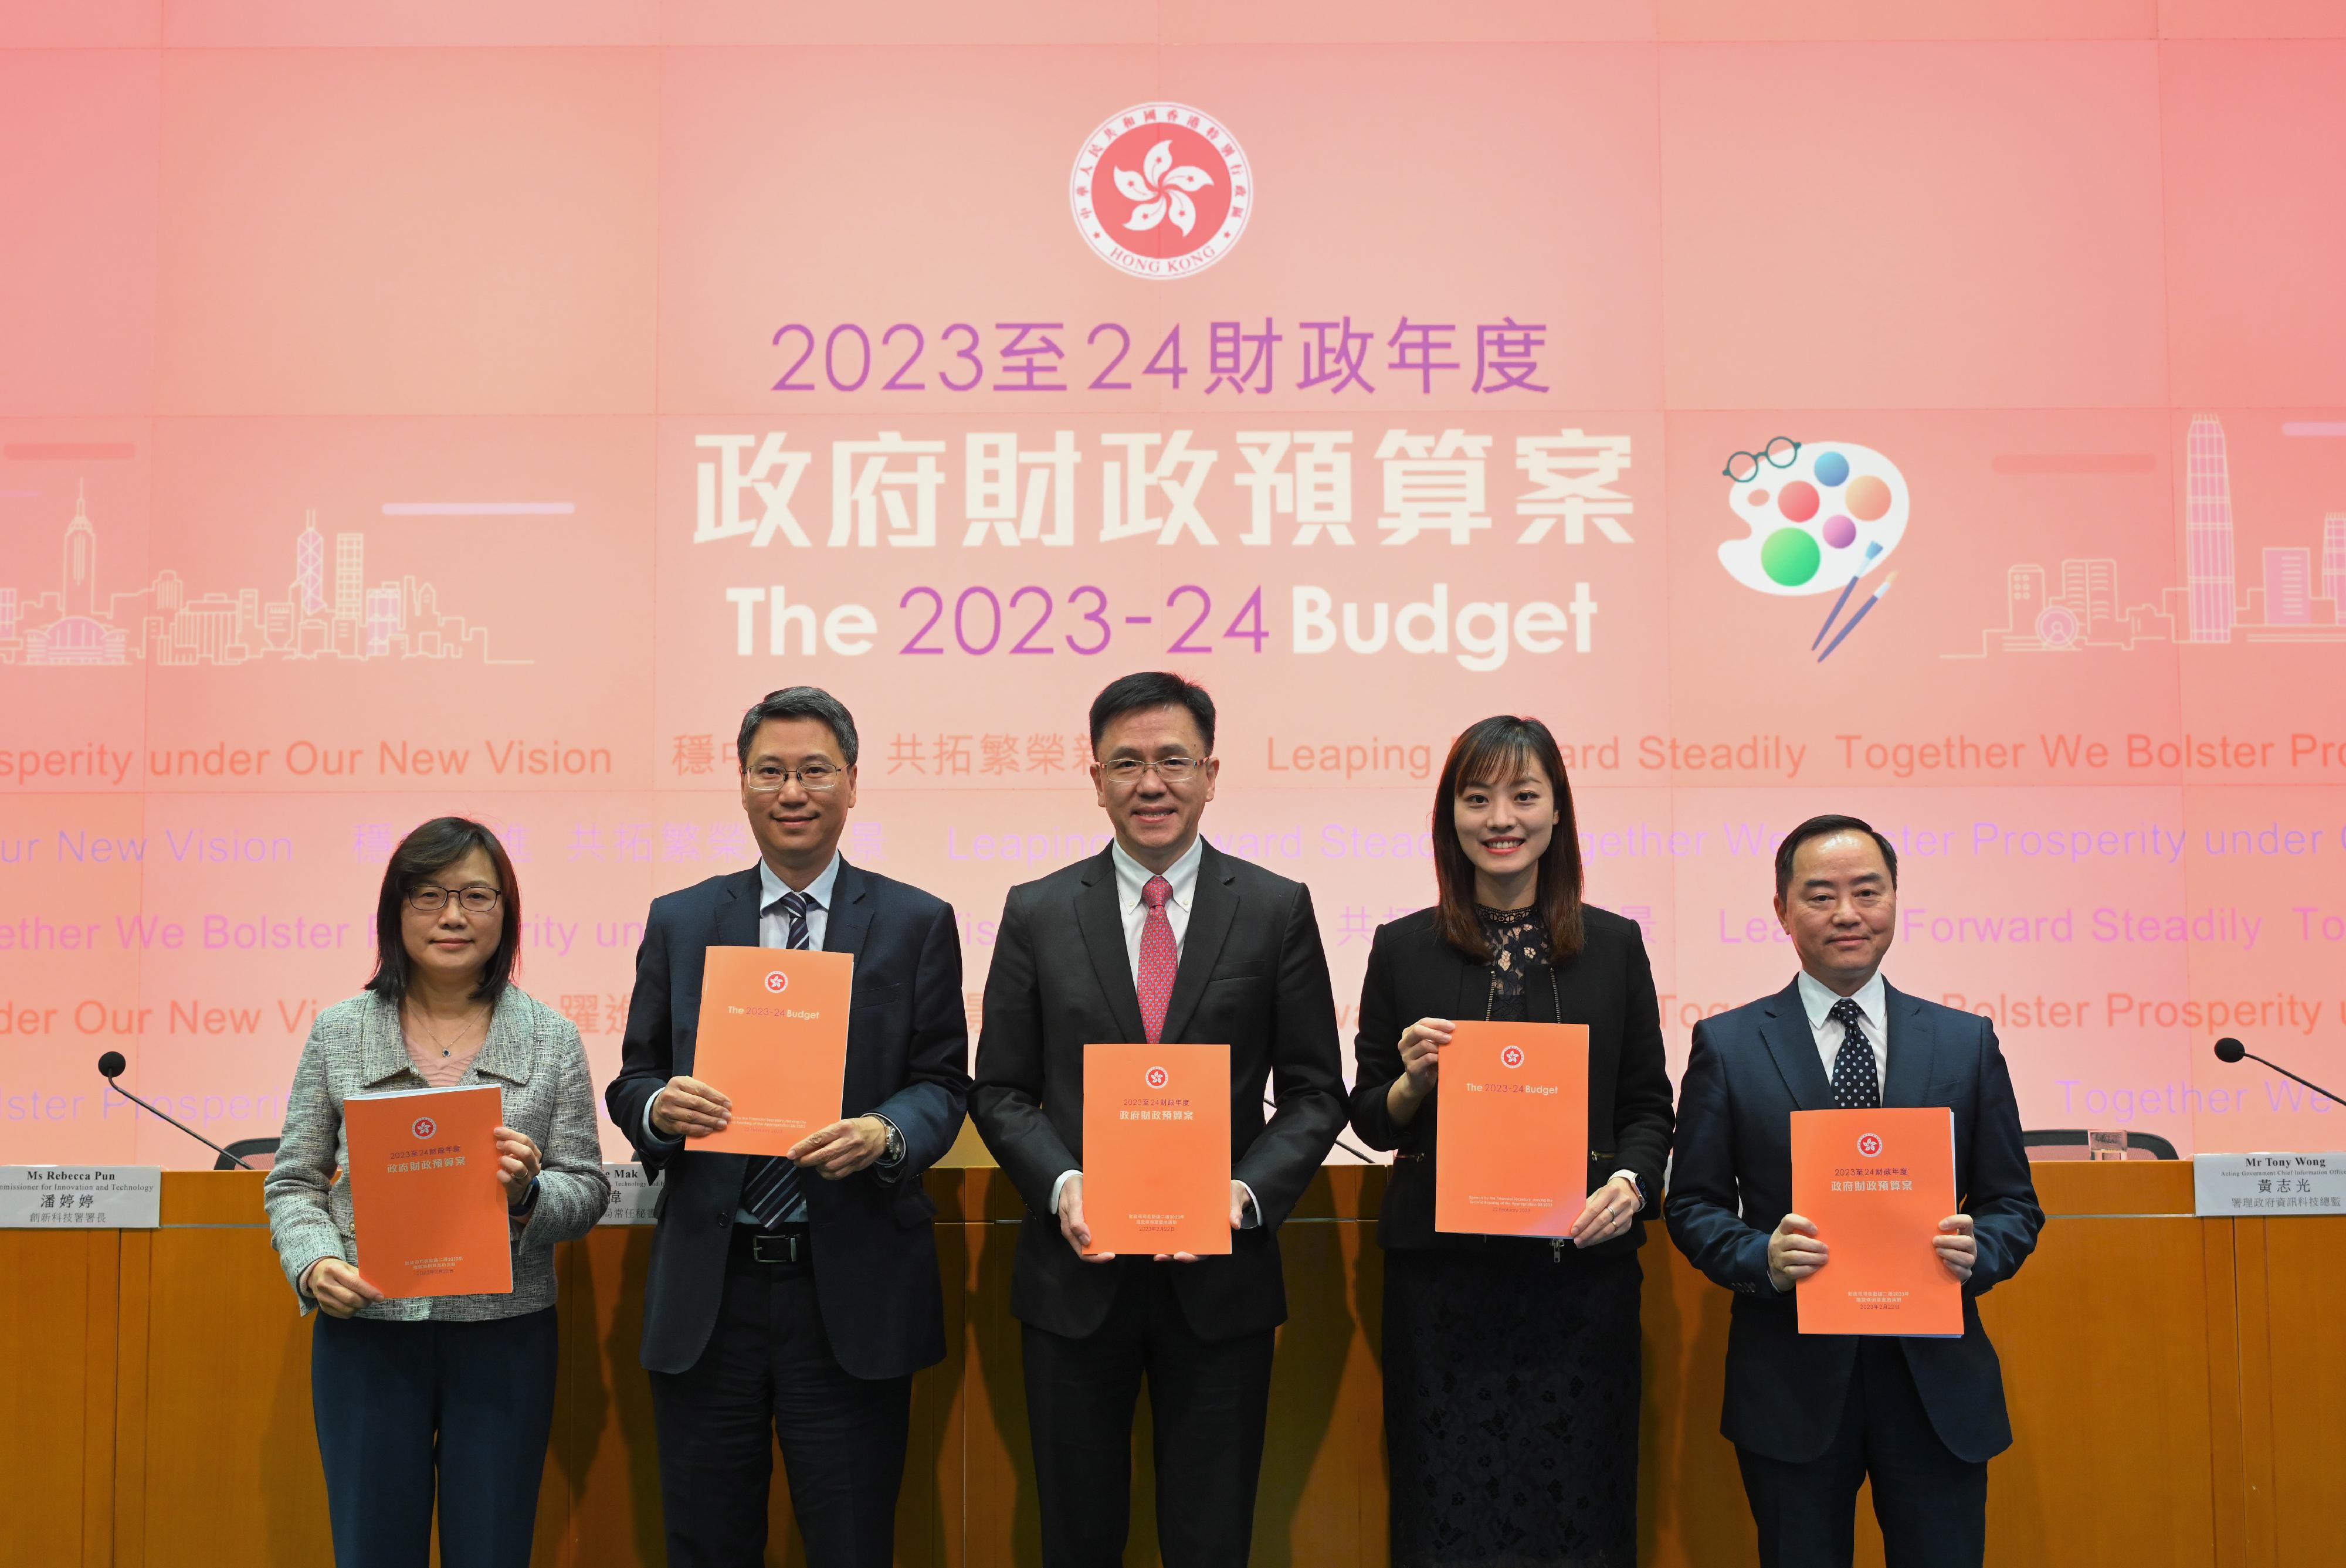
(2285, 1073)
(176, 1122)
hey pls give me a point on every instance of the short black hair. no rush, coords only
(423, 854)
(1820, 826)
(1151, 689)
(797, 702)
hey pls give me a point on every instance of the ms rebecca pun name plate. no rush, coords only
(81, 1198)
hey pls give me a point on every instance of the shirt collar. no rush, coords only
(1131, 876)
(1873, 999)
(771, 886)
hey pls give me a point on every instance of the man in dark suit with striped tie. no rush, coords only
(792, 1297)
(1815, 1416)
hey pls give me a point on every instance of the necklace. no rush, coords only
(446, 1049)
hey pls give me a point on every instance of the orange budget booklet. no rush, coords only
(1157, 1147)
(1877, 1183)
(773, 1040)
(1515, 1129)
(425, 1201)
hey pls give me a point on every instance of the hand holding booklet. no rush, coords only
(1156, 1148)
(1515, 1129)
(1877, 1184)
(773, 1040)
(430, 1215)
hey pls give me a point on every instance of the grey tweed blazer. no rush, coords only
(531, 1052)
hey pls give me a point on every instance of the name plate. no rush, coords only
(2268, 1185)
(633, 1197)
(81, 1198)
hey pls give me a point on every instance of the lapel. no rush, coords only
(384, 1055)
(1101, 920)
(506, 1054)
(736, 916)
(1473, 983)
(1213, 906)
(848, 925)
(1911, 1039)
(732, 924)
(1784, 1025)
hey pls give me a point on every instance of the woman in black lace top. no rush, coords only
(1510, 1362)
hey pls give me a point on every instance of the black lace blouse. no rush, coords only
(1520, 958)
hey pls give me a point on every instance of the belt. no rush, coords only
(789, 1246)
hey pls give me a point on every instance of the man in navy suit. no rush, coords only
(793, 1297)
(1812, 1416)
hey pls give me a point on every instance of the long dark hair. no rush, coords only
(428, 851)
(1495, 750)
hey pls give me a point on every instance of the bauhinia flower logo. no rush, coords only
(1162, 191)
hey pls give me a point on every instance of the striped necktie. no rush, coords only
(771, 1190)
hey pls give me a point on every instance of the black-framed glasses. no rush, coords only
(815, 778)
(1744, 466)
(431, 898)
(1172, 769)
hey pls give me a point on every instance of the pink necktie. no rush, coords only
(1157, 958)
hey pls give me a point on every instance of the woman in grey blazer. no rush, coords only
(451, 1397)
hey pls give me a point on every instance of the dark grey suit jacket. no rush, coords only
(1253, 975)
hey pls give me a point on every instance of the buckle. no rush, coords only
(777, 1246)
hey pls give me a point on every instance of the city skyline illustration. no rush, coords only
(327, 611)
(2300, 595)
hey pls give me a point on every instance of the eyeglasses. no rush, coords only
(1172, 769)
(815, 779)
(431, 898)
(1744, 466)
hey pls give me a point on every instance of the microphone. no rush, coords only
(2230, 1050)
(112, 1063)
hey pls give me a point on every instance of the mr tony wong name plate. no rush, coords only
(2268, 1185)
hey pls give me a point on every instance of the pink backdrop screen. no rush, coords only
(473, 408)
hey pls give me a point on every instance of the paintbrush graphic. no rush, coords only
(1863, 611)
(1872, 551)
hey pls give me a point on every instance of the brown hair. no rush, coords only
(1493, 751)
(431, 849)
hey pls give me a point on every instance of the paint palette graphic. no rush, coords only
(1831, 513)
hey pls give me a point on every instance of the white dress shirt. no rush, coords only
(773, 930)
(1873, 1001)
(774, 925)
(1131, 880)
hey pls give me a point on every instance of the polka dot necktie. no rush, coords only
(1855, 1088)
(770, 1189)
(1159, 959)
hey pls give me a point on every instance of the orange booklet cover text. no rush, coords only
(1515, 1129)
(1877, 1183)
(425, 1200)
(773, 1040)
(1156, 1148)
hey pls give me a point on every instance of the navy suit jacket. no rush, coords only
(1254, 976)
(875, 1258)
(1732, 1181)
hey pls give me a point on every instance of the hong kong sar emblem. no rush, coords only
(1161, 190)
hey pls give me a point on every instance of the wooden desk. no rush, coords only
(2174, 1384)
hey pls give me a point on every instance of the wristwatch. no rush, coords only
(894, 1153)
